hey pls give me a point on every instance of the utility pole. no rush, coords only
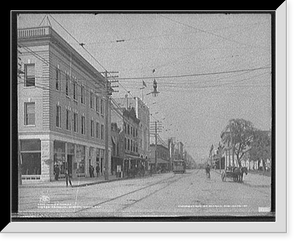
(155, 146)
(108, 92)
(20, 72)
(107, 101)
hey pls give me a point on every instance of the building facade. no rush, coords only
(129, 142)
(163, 157)
(61, 102)
(143, 114)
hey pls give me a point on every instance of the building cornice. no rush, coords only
(46, 35)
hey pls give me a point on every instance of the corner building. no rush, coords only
(61, 102)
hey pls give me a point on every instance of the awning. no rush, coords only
(159, 161)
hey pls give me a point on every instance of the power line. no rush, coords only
(82, 45)
(196, 74)
(210, 33)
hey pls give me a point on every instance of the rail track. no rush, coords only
(168, 181)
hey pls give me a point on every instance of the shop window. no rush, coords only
(80, 157)
(59, 155)
(31, 156)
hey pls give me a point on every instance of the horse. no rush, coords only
(239, 173)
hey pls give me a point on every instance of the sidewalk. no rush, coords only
(77, 182)
(252, 179)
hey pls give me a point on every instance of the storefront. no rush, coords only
(71, 156)
(80, 160)
(30, 150)
(59, 157)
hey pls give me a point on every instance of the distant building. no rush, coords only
(163, 157)
(129, 139)
(117, 149)
(61, 100)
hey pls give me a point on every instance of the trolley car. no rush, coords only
(179, 166)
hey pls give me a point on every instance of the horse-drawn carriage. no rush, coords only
(235, 173)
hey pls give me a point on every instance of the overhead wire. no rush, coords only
(210, 33)
(82, 45)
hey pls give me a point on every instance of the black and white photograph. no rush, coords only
(146, 117)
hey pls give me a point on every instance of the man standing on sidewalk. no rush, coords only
(68, 177)
(97, 170)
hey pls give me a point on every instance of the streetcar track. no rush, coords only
(150, 194)
(131, 192)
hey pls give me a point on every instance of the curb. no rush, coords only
(80, 185)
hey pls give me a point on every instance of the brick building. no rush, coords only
(142, 112)
(61, 101)
(128, 140)
(163, 157)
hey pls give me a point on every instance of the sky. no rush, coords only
(209, 68)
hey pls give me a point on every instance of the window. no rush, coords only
(102, 132)
(125, 143)
(68, 120)
(101, 106)
(74, 90)
(75, 122)
(97, 130)
(57, 79)
(29, 74)
(67, 84)
(97, 104)
(29, 109)
(91, 100)
(128, 144)
(125, 127)
(82, 125)
(82, 94)
(31, 156)
(58, 116)
(92, 128)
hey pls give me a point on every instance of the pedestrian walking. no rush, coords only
(97, 170)
(93, 174)
(56, 171)
(207, 170)
(90, 170)
(68, 177)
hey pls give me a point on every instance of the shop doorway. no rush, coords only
(69, 163)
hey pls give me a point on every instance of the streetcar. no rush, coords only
(179, 166)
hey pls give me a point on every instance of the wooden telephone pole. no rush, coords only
(155, 156)
(108, 92)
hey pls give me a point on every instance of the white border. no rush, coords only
(280, 225)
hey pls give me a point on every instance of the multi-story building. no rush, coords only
(162, 155)
(61, 102)
(128, 139)
(143, 114)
